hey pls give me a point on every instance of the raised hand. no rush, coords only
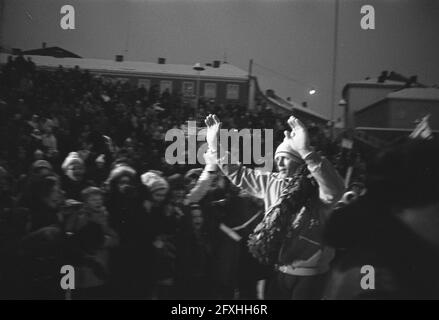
(298, 137)
(213, 129)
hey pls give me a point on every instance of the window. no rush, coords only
(146, 83)
(188, 89)
(232, 92)
(210, 90)
(165, 84)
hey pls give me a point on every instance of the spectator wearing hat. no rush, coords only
(73, 180)
(123, 197)
(50, 143)
(92, 250)
(157, 186)
(39, 169)
(125, 209)
(164, 225)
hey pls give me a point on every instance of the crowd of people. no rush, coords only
(84, 182)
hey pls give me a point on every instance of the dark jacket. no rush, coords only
(369, 235)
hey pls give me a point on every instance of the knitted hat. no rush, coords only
(100, 158)
(71, 159)
(38, 153)
(41, 164)
(121, 170)
(154, 182)
(284, 149)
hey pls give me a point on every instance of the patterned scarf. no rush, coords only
(285, 220)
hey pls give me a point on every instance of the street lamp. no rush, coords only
(343, 103)
(198, 67)
(311, 89)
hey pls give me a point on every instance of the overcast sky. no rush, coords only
(294, 38)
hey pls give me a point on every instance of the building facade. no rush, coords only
(219, 82)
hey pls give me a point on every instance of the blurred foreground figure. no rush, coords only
(392, 230)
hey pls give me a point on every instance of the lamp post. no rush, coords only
(343, 104)
(334, 64)
(198, 67)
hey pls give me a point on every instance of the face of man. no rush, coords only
(286, 165)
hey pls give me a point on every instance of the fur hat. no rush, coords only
(284, 149)
(154, 182)
(121, 170)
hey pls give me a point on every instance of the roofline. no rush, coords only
(155, 74)
(373, 84)
(411, 98)
(388, 129)
(293, 107)
(29, 52)
(243, 78)
(266, 98)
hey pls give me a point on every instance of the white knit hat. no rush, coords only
(154, 182)
(284, 149)
(72, 158)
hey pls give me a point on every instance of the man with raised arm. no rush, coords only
(307, 186)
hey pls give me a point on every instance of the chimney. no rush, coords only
(305, 104)
(413, 80)
(216, 64)
(43, 45)
(269, 93)
(383, 77)
(119, 58)
(161, 61)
